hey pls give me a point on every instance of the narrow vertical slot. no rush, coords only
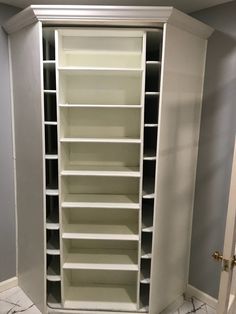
(53, 245)
(51, 174)
(51, 139)
(48, 44)
(54, 294)
(49, 77)
(152, 78)
(150, 142)
(52, 209)
(144, 296)
(146, 243)
(154, 45)
(147, 215)
(149, 169)
(50, 108)
(145, 271)
(151, 109)
(53, 268)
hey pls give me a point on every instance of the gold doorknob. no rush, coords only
(218, 256)
(234, 261)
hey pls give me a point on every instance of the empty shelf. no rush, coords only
(52, 226)
(50, 123)
(52, 192)
(51, 156)
(149, 154)
(99, 140)
(153, 62)
(53, 247)
(113, 171)
(101, 297)
(148, 190)
(100, 232)
(152, 93)
(49, 91)
(150, 125)
(53, 269)
(99, 106)
(147, 225)
(102, 259)
(101, 201)
(100, 71)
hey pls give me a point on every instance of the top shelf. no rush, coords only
(103, 48)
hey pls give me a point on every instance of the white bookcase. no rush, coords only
(107, 105)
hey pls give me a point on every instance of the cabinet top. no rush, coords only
(136, 16)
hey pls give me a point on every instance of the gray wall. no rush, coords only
(218, 129)
(7, 208)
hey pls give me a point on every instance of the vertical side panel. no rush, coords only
(26, 56)
(178, 134)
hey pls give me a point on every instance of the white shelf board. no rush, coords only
(49, 64)
(51, 156)
(152, 93)
(146, 255)
(149, 154)
(153, 62)
(99, 106)
(102, 259)
(150, 125)
(49, 61)
(147, 223)
(53, 251)
(99, 140)
(101, 297)
(115, 171)
(145, 280)
(50, 123)
(53, 278)
(52, 192)
(101, 201)
(100, 232)
(52, 226)
(100, 71)
(49, 91)
(148, 190)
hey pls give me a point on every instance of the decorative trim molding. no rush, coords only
(146, 16)
(202, 296)
(8, 284)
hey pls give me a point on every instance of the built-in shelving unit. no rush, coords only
(101, 75)
(151, 109)
(52, 225)
(101, 94)
(106, 129)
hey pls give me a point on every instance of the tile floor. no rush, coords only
(15, 301)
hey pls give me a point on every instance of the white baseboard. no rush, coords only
(202, 296)
(8, 284)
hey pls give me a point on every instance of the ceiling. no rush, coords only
(187, 6)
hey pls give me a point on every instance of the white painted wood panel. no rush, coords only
(179, 119)
(26, 56)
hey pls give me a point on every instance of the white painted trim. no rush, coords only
(13, 151)
(202, 296)
(142, 16)
(8, 284)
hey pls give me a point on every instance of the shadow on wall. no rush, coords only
(217, 135)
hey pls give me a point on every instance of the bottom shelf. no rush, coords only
(54, 294)
(101, 297)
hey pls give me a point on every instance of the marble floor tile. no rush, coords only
(15, 301)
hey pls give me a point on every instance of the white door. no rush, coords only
(227, 292)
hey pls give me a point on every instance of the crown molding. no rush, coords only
(149, 16)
